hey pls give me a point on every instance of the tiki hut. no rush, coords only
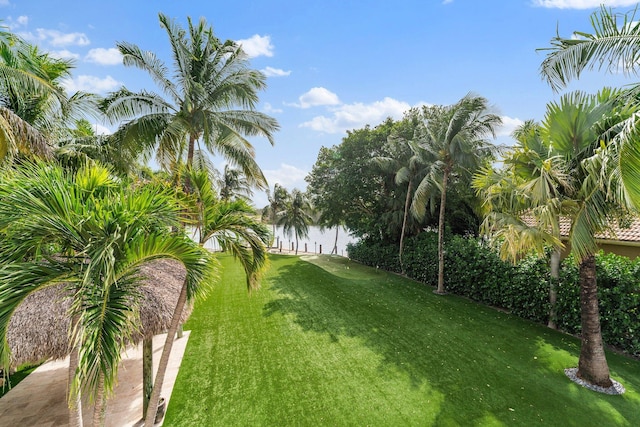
(39, 329)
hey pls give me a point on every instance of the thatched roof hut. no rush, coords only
(39, 329)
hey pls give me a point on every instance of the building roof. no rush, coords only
(630, 234)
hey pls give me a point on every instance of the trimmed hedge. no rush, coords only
(474, 270)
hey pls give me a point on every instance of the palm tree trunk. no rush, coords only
(147, 373)
(404, 225)
(164, 358)
(335, 242)
(100, 408)
(592, 366)
(296, 244)
(74, 399)
(443, 200)
(553, 291)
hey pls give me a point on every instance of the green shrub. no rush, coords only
(475, 270)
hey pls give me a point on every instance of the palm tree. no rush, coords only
(35, 111)
(85, 229)
(277, 202)
(530, 186)
(234, 185)
(568, 181)
(614, 45)
(295, 218)
(210, 101)
(235, 229)
(233, 225)
(409, 164)
(455, 138)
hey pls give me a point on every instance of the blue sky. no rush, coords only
(333, 65)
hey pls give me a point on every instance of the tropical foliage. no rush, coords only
(86, 229)
(210, 103)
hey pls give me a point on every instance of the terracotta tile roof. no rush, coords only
(617, 233)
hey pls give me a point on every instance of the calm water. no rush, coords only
(314, 242)
(316, 239)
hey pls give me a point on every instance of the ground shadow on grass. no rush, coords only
(491, 368)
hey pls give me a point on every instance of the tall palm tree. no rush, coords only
(409, 164)
(277, 202)
(85, 229)
(563, 176)
(455, 136)
(211, 96)
(295, 218)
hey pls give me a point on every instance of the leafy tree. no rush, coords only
(82, 228)
(295, 218)
(345, 185)
(211, 98)
(455, 137)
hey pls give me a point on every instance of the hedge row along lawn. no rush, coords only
(329, 342)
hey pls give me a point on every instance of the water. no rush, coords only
(316, 240)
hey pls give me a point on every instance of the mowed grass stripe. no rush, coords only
(329, 342)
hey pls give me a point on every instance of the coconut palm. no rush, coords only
(561, 175)
(455, 138)
(295, 218)
(211, 98)
(277, 202)
(85, 229)
(35, 111)
(409, 163)
(234, 185)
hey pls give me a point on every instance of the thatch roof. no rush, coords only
(39, 329)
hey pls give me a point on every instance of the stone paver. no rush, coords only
(40, 399)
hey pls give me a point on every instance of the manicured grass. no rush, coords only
(330, 342)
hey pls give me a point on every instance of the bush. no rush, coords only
(475, 271)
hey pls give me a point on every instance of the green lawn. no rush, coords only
(329, 342)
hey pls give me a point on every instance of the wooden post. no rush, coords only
(147, 373)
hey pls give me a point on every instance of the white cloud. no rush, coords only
(275, 72)
(288, 176)
(269, 109)
(357, 115)
(582, 4)
(447, 1)
(4, 3)
(104, 56)
(317, 96)
(509, 124)
(56, 38)
(14, 24)
(257, 45)
(91, 84)
(64, 54)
